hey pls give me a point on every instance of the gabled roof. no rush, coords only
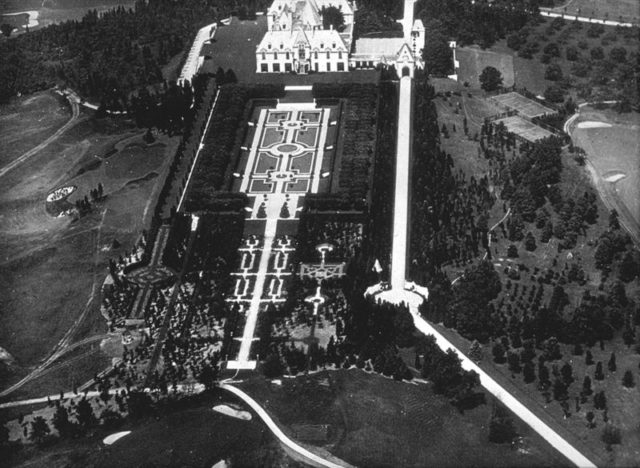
(418, 25)
(320, 40)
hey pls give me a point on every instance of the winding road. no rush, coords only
(309, 457)
(75, 113)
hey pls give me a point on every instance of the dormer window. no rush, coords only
(281, 46)
(268, 46)
(334, 45)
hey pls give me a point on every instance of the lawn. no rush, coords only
(473, 60)
(614, 10)
(380, 422)
(28, 120)
(614, 152)
(53, 268)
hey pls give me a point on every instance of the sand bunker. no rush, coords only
(115, 437)
(234, 413)
(614, 176)
(593, 124)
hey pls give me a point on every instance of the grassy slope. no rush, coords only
(27, 121)
(381, 422)
(49, 265)
(614, 149)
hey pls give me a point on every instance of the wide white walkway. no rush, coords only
(401, 203)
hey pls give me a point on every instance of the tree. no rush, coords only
(611, 435)
(512, 251)
(498, 353)
(554, 93)
(6, 29)
(586, 386)
(501, 428)
(208, 375)
(272, 367)
(600, 400)
(599, 375)
(490, 79)
(530, 242)
(567, 373)
(611, 365)
(513, 358)
(61, 422)
(528, 372)
(39, 429)
(628, 380)
(572, 54)
(284, 211)
(618, 54)
(475, 351)
(597, 53)
(84, 414)
(590, 419)
(588, 359)
(553, 72)
(628, 267)
(437, 55)
(332, 17)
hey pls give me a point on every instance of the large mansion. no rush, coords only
(296, 41)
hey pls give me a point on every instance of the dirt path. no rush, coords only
(75, 113)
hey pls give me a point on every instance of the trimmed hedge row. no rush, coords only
(222, 142)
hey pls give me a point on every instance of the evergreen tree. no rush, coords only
(529, 242)
(628, 380)
(528, 372)
(39, 430)
(61, 422)
(610, 436)
(588, 358)
(599, 375)
(612, 362)
(586, 386)
(84, 414)
(498, 353)
(501, 428)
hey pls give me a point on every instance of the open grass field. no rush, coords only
(380, 422)
(195, 436)
(614, 10)
(612, 143)
(473, 60)
(28, 120)
(52, 269)
(234, 47)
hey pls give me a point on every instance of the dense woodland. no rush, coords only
(108, 57)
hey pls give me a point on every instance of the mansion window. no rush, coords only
(275, 56)
(276, 67)
(328, 56)
(339, 55)
(287, 55)
(340, 66)
(264, 56)
(316, 54)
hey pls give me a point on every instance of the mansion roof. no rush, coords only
(318, 40)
